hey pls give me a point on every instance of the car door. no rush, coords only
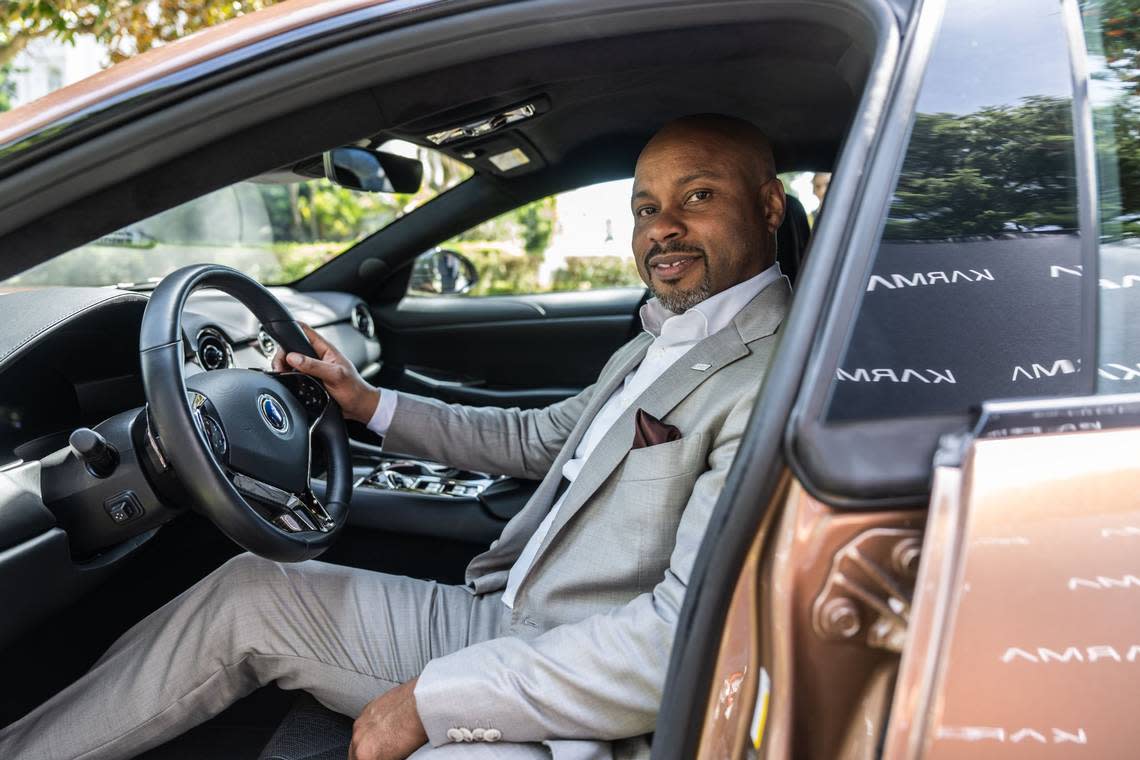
(547, 292)
(944, 563)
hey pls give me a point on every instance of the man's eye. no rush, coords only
(645, 211)
(700, 195)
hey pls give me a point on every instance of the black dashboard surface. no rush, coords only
(69, 356)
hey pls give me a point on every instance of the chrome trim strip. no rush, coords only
(1088, 196)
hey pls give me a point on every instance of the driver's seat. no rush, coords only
(792, 238)
(309, 731)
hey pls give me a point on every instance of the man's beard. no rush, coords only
(675, 299)
(679, 301)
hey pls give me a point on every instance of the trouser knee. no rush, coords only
(238, 600)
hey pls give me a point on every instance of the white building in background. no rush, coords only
(592, 221)
(46, 65)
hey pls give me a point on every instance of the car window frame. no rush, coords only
(817, 452)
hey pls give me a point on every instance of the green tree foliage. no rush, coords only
(589, 272)
(7, 87)
(537, 220)
(531, 225)
(126, 27)
(1002, 169)
(1113, 34)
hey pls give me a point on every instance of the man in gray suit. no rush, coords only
(558, 643)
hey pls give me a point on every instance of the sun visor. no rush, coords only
(507, 154)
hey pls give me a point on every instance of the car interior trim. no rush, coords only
(752, 482)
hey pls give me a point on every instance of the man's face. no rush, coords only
(704, 217)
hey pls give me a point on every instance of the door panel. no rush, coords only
(526, 351)
(810, 647)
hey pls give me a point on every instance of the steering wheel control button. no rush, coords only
(92, 449)
(273, 413)
(214, 435)
(123, 508)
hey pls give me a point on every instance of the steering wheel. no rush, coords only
(240, 440)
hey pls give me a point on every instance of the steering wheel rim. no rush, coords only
(267, 523)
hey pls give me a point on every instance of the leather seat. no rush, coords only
(792, 238)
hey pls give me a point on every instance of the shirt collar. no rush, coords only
(709, 316)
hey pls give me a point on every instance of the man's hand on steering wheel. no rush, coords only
(357, 399)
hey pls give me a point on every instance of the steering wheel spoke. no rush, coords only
(292, 512)
(209, 425)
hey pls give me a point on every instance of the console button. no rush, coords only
(123, 507)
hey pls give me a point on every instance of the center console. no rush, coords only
(422, 477)
(395, 493)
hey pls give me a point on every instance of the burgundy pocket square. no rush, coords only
(650, 431)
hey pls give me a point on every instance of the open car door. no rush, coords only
(905, 564)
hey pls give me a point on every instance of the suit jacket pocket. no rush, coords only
(665, 460)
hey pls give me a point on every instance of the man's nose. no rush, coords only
(665, 227)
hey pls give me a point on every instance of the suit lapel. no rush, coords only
(757, 320)
(519, 531)
(606, 388)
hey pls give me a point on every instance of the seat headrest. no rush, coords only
(792, 238)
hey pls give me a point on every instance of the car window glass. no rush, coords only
(967, 298)
(274, 232)
(1112, 38)
(576, 240)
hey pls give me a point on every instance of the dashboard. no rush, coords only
(69, 356)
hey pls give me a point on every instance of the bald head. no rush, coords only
(706, 204)
(743, 138)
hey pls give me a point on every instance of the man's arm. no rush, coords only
(600, 678)
(516, 442)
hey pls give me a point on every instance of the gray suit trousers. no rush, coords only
(342, 634)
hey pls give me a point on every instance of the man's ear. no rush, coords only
(775, 204)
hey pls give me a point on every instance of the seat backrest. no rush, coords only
(792, 238)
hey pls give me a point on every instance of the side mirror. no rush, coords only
(440, 272)
(373, 171)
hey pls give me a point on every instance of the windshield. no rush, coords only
(275, 233)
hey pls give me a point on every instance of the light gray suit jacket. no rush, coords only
(593, 621)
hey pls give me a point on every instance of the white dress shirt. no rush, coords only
(673, 336)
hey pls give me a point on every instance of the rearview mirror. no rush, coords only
(373, 171)
(441, 272)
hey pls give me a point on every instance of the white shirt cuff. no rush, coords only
(385, 411)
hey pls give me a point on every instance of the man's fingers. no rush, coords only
(315, 367)
(320, 345)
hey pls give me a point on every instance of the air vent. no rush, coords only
(214, 350)
(362, 321)
(267, 345)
